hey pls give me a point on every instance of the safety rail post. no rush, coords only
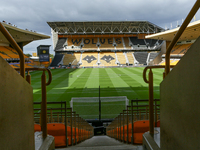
(155, 114)
(150, 82)
(118, 124)
(66, 122)
(132, 123)
(189, 17)
(120, 127)
(44, 107)
(151, 111)
(28, 77)
(51, 115)
(123, 124)
(115, 128)
(71, 126)
(146, 116)
(127, 123)
(81, 125)
(78, 126)
(74, 116)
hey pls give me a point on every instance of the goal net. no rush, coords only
(88, 107)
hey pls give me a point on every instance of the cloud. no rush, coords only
(34, 14)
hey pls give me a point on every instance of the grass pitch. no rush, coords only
(85, 82)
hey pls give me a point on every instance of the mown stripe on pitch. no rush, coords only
(157, 79)
(107, 88)
(123, 88)
(136, 75)
(131, 83)
(90, 88)
(140, 74)
(61, 93)
(60, 80)
(36, 82)
(65, 81)
(55, 90)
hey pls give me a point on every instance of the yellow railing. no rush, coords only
(16, 47)
(179, 33)
(44, 97)
(151, 99)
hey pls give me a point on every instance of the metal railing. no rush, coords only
(16, 47)
(76, 128)
(122, 128)
(189, 17)
(44, 97)
(151, 97)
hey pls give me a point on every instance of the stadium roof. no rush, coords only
(20, 35)
(104, 27)
(192, 32)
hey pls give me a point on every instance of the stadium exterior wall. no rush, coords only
(179, 101)
(16, 110)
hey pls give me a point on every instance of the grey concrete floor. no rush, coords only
(102, 143)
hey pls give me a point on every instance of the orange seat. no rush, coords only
(37, 127)
(58, 131)
(140, 127)
(158, 123)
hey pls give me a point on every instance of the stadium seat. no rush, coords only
(58, 131)
(108, 58)
(140, 127)
(37, 127)
(158, 123)
(127, 43)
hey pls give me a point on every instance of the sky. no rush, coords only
(34, 14)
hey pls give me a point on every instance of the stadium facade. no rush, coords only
(102, 44)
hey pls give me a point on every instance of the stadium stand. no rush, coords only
(57, 60)
(89, 59)
(108, 58)
(163, 62)
(127, 43)
(4, 55)
(74, 41)
(77, 56)
(68, 59)
(181, 49)
(137, 41)
(151, 56)
(106, 43)
(121, 58)
(71, 59)
(90, 43)
(150, 42)
(130, 57)
(119, 43)
(60, 43)
(174, 62)
(9, 53)
(141, 57)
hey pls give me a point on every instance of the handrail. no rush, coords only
(150, 82)
(16, 47)
(40, 69)
(151, 67)
(179, 33)
(44, 96)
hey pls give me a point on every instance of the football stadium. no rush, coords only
(127, 84)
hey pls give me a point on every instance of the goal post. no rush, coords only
(88, 107)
